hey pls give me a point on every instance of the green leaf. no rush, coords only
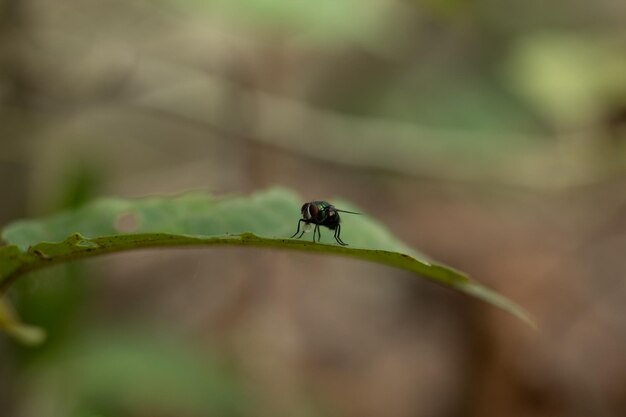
(10, 323)
(264, 219)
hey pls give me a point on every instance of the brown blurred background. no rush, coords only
(490, 135)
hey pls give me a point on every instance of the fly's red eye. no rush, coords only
(309, 211)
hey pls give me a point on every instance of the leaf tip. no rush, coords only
(26, 334)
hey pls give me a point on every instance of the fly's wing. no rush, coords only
(325, 206)
(346, 211)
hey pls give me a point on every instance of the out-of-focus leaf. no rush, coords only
(23, 333)
(568, 78)
(264, 219)
(120, 372)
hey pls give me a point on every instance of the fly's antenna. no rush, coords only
(346, 211)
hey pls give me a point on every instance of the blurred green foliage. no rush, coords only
(114, 372)
(322, 22)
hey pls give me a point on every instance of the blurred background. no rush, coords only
(489, 134)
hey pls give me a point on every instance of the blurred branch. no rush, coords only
(370, 143)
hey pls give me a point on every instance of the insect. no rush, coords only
(321, 213)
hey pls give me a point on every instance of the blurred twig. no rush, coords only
(370, 143)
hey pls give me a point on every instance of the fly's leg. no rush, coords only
(298, 231)
(338, 236)
(316, 230)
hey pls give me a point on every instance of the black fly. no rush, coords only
(321, 213)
